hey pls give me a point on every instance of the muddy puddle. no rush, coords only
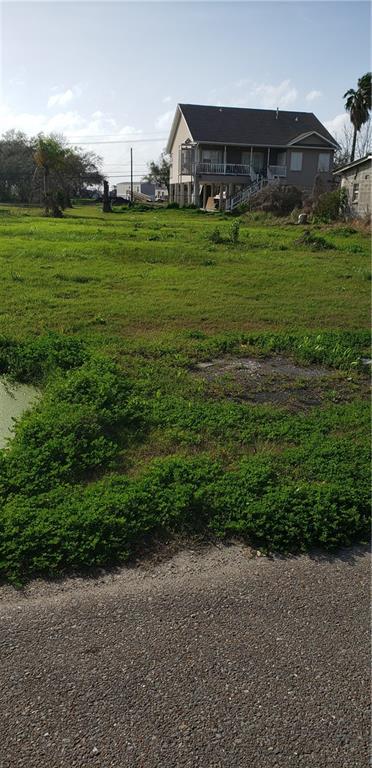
(280, 381)
(14, 400)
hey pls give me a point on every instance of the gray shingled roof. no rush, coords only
(236, 125)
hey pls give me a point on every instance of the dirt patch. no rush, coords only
(278, 380)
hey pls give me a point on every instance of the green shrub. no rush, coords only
(277, 199)
(331, 206)
(34, 360)
(235, 231)
(104, 522)
(314, 242)
(173, 205)
(292, 517)
(56, 444)
(215, 236)
(77, 428)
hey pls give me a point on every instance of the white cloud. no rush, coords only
(62, 98)
(69, 122)
(164, 121)
(271, 96)
(313, 95)
(247, 93)
(336, 125)
(129, 130)
(18, 81)
(167, 99)
(22, 121)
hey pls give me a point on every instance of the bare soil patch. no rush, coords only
(280, 381)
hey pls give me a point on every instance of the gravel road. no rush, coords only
(210, 659)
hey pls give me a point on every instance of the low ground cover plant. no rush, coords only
(64, 503)
(104, 522)
(315, 242)
(127, 443)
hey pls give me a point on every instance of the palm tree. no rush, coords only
(358, 104)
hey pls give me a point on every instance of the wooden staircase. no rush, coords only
(243, 197)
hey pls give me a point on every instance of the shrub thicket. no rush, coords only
(277, 199)
(331, 206)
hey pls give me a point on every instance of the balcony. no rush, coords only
(224, 169)
(276, 171)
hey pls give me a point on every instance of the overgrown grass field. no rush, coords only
(112, 315)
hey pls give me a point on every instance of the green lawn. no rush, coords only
(155, 273)
(111, 315)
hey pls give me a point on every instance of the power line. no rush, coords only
(127, 165)
(153, 135)
(123, 141)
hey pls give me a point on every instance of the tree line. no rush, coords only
(45, 170)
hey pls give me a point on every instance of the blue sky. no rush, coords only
(115, 70)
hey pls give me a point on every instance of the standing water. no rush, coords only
(14, 400)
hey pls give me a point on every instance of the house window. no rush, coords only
(355, 197)
(258, 159)
(296, 161)
(323, 161)
(211, 156)
(186, 161)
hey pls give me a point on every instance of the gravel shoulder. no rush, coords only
(212, 658)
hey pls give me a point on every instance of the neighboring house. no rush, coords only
(139, 188)
(356, 180)
(161, 194)
(229, 152)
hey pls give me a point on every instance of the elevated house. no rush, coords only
(226, 154)
(356, 178)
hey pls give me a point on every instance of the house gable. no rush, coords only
(312, 139)
(180, 133)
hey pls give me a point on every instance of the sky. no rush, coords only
(114, 71)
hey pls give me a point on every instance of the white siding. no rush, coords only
(182, 133)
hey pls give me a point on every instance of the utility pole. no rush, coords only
(131, 176)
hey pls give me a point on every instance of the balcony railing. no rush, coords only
(276, 170)
(225, 169)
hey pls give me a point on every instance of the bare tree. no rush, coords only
(345, 140)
